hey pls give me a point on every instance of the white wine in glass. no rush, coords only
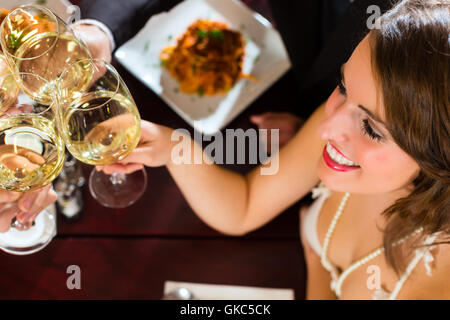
(31, 148)
(101, 126)
(31, 157)
(36, 41)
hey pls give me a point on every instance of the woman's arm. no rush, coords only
(225, 200)
(236, 204)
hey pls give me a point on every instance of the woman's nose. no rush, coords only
(337, 126)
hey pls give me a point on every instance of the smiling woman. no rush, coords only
(380, 146)
(411, 54)
(401, 146)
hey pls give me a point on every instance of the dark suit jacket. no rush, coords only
(319, 35)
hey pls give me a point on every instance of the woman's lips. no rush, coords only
(336, 166)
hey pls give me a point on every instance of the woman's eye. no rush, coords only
(367, 129)
(342, 89)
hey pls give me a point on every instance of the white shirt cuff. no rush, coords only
(102, 27)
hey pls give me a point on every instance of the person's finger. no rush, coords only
(9, 196)
(257, 119)
(113, 168)
(6, 215)
(139, 155)
(46, 201)
(268, 124)
(42, 202)
(32, 202)
(20, 108)
(125, 169)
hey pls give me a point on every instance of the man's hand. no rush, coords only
(287, 123)
(95, 39)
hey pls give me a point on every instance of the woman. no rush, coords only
(380, 148)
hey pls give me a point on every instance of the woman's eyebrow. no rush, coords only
(371, 114)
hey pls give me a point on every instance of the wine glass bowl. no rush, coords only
(35, 40)
(31, 155)
(101, 125)
(31, 147)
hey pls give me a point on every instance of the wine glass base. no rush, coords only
(21, 243)
(117, 194)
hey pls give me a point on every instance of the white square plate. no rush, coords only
(62, 8)
(265, 58)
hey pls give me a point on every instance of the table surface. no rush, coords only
(130, 253)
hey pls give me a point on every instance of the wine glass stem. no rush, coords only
(117, 178)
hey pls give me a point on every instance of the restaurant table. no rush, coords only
(129, 253)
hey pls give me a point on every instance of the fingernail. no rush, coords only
(24, 216)
(27, 204)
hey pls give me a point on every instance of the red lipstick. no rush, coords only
(334, 165)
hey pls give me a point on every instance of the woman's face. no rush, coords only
(360, 155)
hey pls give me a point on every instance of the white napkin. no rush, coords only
(227, 292)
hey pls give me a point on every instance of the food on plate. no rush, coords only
(207, 58)
(3, 13)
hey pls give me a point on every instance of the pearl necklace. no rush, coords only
(337, 280)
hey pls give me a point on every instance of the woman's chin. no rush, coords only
(334, 180)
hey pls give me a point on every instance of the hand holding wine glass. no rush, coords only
(154, 150)
(37, 46)
(23, 207)
(101, 125)
(31, 156)
(96, 41)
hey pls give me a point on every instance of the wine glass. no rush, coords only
(31, 155)
(23, 242)
(101, 125)
(35, 40)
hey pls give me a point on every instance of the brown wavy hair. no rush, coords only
(410, 60)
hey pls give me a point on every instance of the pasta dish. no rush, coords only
(207, 58)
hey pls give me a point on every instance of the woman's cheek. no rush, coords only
(375, 160)
(384, 163)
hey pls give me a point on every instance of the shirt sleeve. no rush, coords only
(102, 27)
(121, 17)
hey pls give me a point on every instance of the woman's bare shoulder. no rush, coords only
(431, 280)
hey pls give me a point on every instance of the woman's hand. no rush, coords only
(287, 123)
(154, 150)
